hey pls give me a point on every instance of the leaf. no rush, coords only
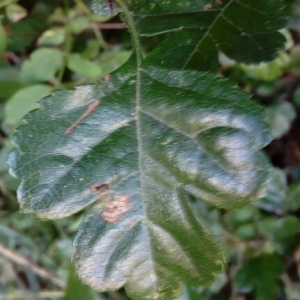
(23, 33)
(78, 24)
(83, 66)
(280, 116)
(76, 289)
(261, 273)
(7, 2)
(2, 39)
(287, 226)
(42, 65)
(292, 201)
(269, 71)
(274, 201)
(15, 12)
(245, 30)
(52, 37)
(142, 142)
(105, 7)
(110, 61)
(24, 101)
(286, 234)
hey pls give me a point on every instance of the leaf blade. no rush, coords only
(246, 31)
(143, 159)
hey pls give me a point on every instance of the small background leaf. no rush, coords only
(83, 66)
(76, 289)
(261, 274)
(52, 37)
(42, 65)
(15, 12)
(24, 101)
(280, 116)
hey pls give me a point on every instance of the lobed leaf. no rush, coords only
(261, 273)
(245, 30)
(136, 148)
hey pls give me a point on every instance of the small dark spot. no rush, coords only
(101, 188)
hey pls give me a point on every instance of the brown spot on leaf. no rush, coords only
(101, 188)
(219, 2)
(89, 110)
(106, 78)
(207, 6)
(115, 209)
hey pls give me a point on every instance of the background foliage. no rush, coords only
(46, 46)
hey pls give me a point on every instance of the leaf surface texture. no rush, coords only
(152, 138)
(245, 30)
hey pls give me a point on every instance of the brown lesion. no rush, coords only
(207, 6)
(115, 209)
(88, 111)
(102, 188)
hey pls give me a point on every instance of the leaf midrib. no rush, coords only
(206, 34)
(137, 47)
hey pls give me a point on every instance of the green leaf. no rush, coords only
(76, 289)
(274, 201)
(42, 65)
(146, 139)
(83, 66)
(105, 7)
(92, 49)
(269, 71)
(261, 273)
(15, 12)
(110, 61)
(287, 226)
(245, 30)
(78, 24)
(292, 201)
(2, 39)
(52, 37)
(280, 116)
(24, 101)
(7, 2)
(23, 33)
(9, 87)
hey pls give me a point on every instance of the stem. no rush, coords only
(94, 25)
(67, 46)
(134, 33)
(99, 36)
(67, 50)
(137, 48)
(66, 5)
(24, 295)
(115, 26)
(22, 261)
